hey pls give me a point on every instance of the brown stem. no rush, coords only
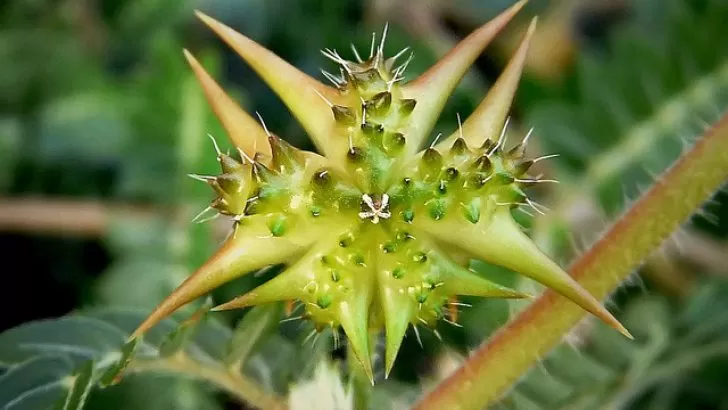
(84, 218)
(69, 217)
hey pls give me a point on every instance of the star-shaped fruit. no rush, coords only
(374, 232)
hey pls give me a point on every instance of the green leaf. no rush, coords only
(139, 280)
(258, 322)
(40, 357)
(35, 383)
(83, 127)
(178, 339)
(78, 393)
(76, 337)
(154, 391)
(113, 373)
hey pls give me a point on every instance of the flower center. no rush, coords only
(375, 208)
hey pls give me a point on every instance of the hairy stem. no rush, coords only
(240, 387)
(496, 365)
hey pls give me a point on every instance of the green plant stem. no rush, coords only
(496, 365)
(243, 389)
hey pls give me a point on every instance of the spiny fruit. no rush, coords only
(374, 234)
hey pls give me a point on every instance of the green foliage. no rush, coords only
(117, 117)
(52, 360)
(630, 109)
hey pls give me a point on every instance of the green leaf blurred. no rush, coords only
(98, 104)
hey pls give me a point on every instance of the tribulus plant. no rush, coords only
(375, 232)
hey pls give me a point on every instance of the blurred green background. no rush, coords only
(101, 120)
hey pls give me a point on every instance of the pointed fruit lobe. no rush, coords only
(490, 116)
(433, 87)
(245, 132)
(304, 96)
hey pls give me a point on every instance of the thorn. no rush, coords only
(199, 215)
(263, 124)
(291, 319)
(467, 305)
(536, 206)
(460, 126)
(262, 271)
(524, 142)
(526, 212)
(399, 54)
(371, 48)
(334, 56)
(537, 181)
(337, 81)
(404, 65)
(394, 79)
(202, 178)
(298, 306)
(334, 79)
(417, 334)
(335, 334)
(502, 137)
(398, 73)
(329, 103)
(437, 138)
(356, 53)
(208, 219)
(437, 334)
(380, 51)
(245, 156)
(310, 335)
(214, 143)
(451, 322)
(363, 115)
(545, 157)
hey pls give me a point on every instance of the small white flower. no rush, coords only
(377, 210)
